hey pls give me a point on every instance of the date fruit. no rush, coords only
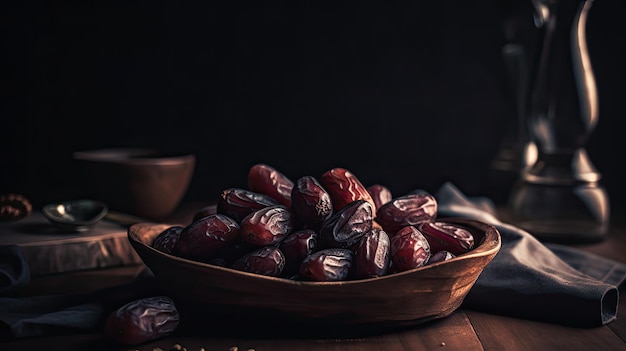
(310, 203)
(203, 239)
(410, 209)
(266, 226)
(166, 240)
(265, 179)
(142, 320)
(440, 256)
(380, 194)
(268, 260)
(203, 212)
(327, 265)
(344, 187)
(346, 227)
(409, 249)
(237, 203)
(446, 236)
(372, 256)
(296, 247)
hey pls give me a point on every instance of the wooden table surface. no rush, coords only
(463, 330)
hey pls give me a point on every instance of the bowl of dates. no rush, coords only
(322, 252)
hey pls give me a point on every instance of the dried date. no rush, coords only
(268, 260)
(344, 187)
(265, 179)
(203, 239)
(167, 239)
(409, 249)
(440, 256)
(446, 236)
(142, 320)
(310, 203)
(296, 247)
(237, 203)
(266, 226)
(380, 194)
(372, 256)
(203, 212)
(410, 209)
(327, 265)
(346, 227)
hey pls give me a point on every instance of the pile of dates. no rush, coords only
(330, 228)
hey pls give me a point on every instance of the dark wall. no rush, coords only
(407, 95)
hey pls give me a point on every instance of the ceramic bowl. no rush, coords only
(75, 216)
(259, 302)
(146, 183)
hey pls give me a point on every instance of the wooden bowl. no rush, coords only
(270, 305)
(142, 182)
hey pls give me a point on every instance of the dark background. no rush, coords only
(408, 95)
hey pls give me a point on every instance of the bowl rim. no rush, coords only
(490, 245)
(134, 155)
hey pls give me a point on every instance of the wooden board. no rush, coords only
(49, 250)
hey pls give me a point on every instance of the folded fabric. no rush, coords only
(14, 272)
(34, 316)
(53, 314)
(534, 280)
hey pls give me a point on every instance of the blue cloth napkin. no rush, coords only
(22, 317)
(533, 280)
(14, 271)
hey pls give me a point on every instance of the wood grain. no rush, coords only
(511, 334)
